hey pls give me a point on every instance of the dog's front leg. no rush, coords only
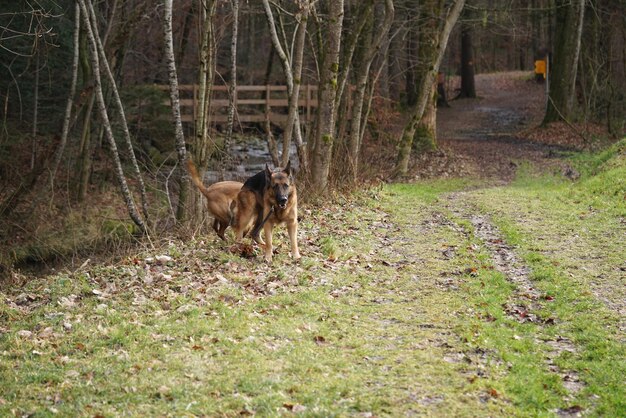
(292, 229)
(267, 229)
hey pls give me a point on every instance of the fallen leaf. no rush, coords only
(163, 259)
(45, 333)
(574, 409)
(24, 333)
(319, 339)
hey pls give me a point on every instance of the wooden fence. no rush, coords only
(253, 103)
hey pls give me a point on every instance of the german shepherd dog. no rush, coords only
(267, 199)
(219, 197)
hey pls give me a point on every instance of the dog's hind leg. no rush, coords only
(216, 227)
(221, 229)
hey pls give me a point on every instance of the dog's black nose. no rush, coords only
(282, 200)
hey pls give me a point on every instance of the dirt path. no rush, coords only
(485, 136)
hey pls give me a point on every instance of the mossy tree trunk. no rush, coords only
(564, 65)
(425, 138)
(191, 205)
(434, 36)
(321, 147)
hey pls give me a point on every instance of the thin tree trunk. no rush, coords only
(84, 171)
(293, 120)
(128, 198)
(297, 72)
(70, 100)
(179, 135)
(184, 38)
(292, 76)
(350, 45)
(232, 88)
(357, 124)
(327, 92)
(33, 151)
(193, 201)
(120, 108)
(426, 85)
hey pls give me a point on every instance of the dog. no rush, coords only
(266, 199)
(219, 197)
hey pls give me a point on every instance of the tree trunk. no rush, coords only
(293, 73)
(293, 104)
(468, 87)
(193, 201)
(425, 138)
(120, 108)
(232, 88)
(323, 145)
(412, 48)
(357, 123)
(93, 47)
(85, 149)
(440, 40)
(70, 100)
(172, 75)
(564, 65)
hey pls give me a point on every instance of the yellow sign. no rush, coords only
(540, 67)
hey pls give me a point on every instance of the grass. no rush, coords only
(396, 308)
(570, 235)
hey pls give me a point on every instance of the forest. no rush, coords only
(88, 105)
(466, 155)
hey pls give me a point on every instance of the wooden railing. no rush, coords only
(253, 103)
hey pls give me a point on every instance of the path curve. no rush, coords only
(486, 134)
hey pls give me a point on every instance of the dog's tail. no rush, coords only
(195, 177)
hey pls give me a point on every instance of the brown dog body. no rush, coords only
(219, 197)
(267, 199)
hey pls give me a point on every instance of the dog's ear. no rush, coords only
(268, 173)
(287, 169)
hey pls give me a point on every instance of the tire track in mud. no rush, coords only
(525, 299)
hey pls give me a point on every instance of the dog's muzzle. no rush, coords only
(282, 202)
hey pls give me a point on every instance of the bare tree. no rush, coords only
(357, 124)
(120, 109)
(321, 146)
(192, 202)
(232, 88)
(175, 106)
(95, 63)
(70, 99)
(292, 67)
(428, 79)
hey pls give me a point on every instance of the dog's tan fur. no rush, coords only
(259, 199)
(219, 197)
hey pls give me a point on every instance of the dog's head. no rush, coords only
(280, 183)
